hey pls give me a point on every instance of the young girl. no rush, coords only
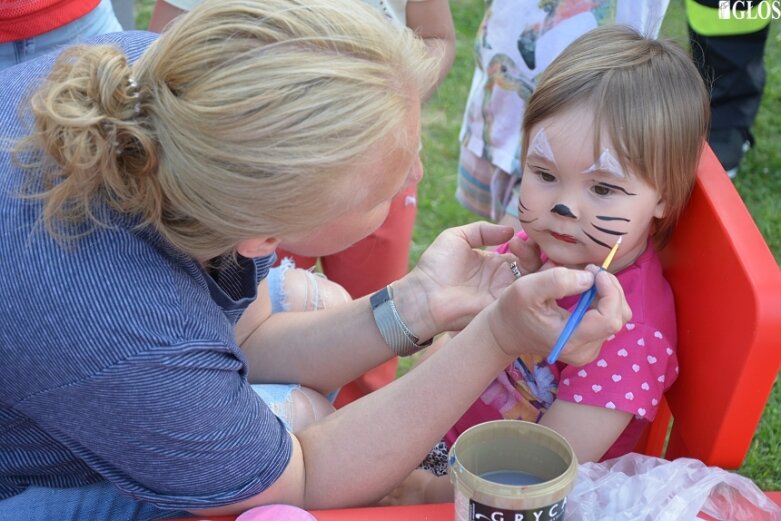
(612, 138)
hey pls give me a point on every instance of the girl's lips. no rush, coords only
(564, 238)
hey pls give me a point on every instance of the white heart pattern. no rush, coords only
(610, 405)
(658, 334)
(582, 373)
(623, 352)
(602, 362)
(611, 337)
(669, 351)
(654, 402)
(578, 398)
(616, 377)
(635, 368)
(651, 359)
(641, 411)
(629, 396)
(645, 386)
(565, 381)
(640, 342)
(596, 388)
(660, 379)
(630, 326)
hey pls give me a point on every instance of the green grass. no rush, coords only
(759, 181)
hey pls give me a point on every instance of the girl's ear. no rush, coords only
(660, 210)
(257, 247)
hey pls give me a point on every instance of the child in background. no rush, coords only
(612, 138)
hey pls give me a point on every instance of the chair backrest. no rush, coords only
(727, 288)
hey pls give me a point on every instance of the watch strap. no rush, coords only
(392, 328)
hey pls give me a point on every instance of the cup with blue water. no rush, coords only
(511, 470)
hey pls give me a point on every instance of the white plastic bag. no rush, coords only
(641, 488)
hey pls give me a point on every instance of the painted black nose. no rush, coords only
(563, 210)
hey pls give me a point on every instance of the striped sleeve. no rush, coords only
(178, 427)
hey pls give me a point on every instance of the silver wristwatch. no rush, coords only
(392, 328)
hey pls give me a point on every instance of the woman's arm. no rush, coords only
(358, 454)
(322, 349)
(453, 282)
(326, 349)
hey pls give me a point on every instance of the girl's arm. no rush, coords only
(589, 429)
(432, 21)
(162, 14)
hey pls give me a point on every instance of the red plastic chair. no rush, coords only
(727, 288)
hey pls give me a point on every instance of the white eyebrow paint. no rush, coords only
(606, 163)
(540, 147)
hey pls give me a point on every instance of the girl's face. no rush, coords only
(575, 205)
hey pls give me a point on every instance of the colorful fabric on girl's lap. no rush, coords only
(633, 370)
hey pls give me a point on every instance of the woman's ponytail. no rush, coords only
(89, 142)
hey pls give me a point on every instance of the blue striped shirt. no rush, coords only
(117, 355)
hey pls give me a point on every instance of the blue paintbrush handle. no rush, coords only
(574, 319)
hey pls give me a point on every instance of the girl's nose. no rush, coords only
(563, 210)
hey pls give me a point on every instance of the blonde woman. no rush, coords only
(383, 256)
(150, 184)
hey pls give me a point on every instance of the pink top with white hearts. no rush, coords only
(634, 368)
(636, 365)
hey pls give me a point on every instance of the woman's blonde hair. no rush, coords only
(649, 98)
(249, 113)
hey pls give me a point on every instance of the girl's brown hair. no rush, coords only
(249, 114)
(649, 98)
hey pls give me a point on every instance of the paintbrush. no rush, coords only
(580, 309)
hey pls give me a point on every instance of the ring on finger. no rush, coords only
(514, 269)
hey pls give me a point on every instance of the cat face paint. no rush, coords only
(608, 164)
(603, 202)
(540, 147)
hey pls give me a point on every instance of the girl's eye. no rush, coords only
(602, 190)
(545, 176)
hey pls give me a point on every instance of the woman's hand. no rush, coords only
(527, 319)
(528, 253)
(454, 280)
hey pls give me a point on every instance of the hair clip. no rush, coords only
(134, 94)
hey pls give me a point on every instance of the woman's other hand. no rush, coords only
(527, 318)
